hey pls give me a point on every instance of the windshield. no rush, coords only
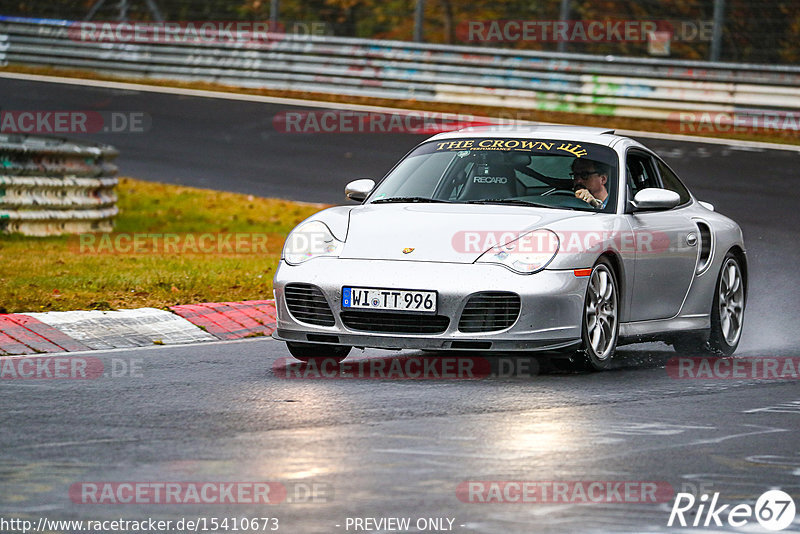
(549, 173)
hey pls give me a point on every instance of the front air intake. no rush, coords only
(489, 311)
(394, 323)
(308, 305)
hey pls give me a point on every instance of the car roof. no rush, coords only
(600, 136)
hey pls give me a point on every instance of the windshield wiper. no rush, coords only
(516, 202)
(409, 199)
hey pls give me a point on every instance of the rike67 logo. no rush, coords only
(774, 510)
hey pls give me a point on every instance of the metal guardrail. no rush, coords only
(605, 85)
(51, 186)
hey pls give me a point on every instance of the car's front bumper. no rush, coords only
(549, 319)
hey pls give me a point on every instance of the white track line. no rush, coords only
(298, 102)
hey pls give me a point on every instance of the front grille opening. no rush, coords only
(395, 323)
(489, 311)
(307, 304)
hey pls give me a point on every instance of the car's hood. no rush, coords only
(455, 233)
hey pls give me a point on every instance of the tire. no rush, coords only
(727, 315)
(600, 318)
(317, 351)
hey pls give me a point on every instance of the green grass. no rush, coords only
(57, 273)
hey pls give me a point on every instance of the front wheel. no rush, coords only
(317, 351)
(727, 315)
(600, 319)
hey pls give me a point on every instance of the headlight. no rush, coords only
(311, 240)
(527, 254)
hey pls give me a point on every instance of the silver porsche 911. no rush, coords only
(568, 240)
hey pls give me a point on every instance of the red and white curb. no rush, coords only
(73, 331)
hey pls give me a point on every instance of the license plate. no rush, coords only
(371, 298)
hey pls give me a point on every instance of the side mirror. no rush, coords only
(706, 205)
(654, 198)
(359, 189)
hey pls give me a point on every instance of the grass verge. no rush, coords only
(204, 262)
(789, 136)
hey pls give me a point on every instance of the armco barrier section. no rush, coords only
(51, 186)
(604, 85)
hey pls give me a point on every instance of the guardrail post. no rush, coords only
(563, 16)
(274, 6)
(716, 30)
(419, 20)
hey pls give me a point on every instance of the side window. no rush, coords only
(672, 182)
(641, 173)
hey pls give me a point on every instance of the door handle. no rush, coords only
(691, 239)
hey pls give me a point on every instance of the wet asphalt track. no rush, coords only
(221, 412)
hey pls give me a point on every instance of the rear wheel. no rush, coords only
(600, 329)
(727, 315)
(316, 351)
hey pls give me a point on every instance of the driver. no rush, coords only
(589, 180)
